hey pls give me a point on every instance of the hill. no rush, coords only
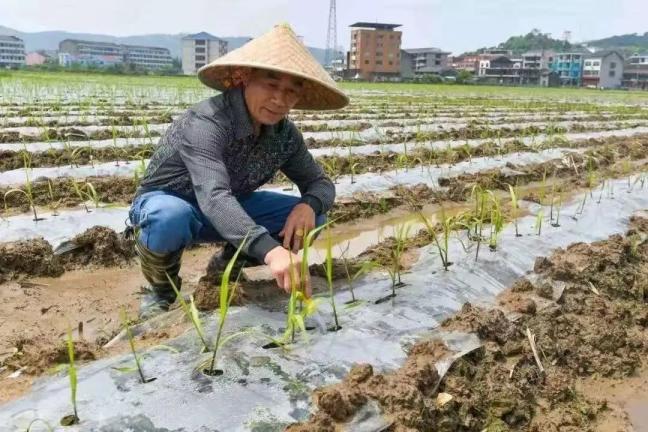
(49, 40)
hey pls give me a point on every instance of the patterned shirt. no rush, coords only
(210, 156)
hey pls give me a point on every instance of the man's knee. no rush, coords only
(167, 224)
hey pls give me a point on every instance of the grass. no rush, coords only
(131, 342)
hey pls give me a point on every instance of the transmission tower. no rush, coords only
(331, 36)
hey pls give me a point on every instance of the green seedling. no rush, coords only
(92, 194)
(83, 197)
(497, 222)
(131, 342)
(394, 267)
(226, 294)
(328, 269)
(515, 207)
(556, 224)
(601, 194)
(53, 204)
(191, 312)
(366, 267)
(27, 191)
(71, 419)
(538, 222)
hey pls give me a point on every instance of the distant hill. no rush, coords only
(49, 40)
(534, 40)
(628, 42)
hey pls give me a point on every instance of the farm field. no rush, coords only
(487, 267)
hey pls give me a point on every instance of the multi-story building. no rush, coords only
(467, 62)
(500, 70)
(534, 64)
(635, 72)
(569, 66)
(421, 61)
(106, 54)
(375, 52)
(603, 69)
(12, 52)
(200, 49)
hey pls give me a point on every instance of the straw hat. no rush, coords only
(278, 50)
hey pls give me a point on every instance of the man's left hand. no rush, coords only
(300, 222)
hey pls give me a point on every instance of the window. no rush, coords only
(596, 63)
(391, 62)
(199, 65)
(612, 73)
(391, 36)
(612, 65)
(200, 49)
(200, 42)
(200, 58)
(366, 61)
(379, 62)
(437, 62)
(588, 63)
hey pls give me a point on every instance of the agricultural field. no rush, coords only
(486, 268)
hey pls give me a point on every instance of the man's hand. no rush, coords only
(300, 222)
(282, 263)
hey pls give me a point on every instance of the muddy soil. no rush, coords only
(74, 134)
(598, 327)
(36, 314)
(95, 247)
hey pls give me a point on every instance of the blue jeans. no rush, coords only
(169, 223)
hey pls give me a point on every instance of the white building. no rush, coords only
(200, 49)
(603, 69)
(12, 52)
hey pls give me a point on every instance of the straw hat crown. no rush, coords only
(278, 50)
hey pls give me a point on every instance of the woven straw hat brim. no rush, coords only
(280, 51)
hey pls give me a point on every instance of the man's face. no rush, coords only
(271, 95)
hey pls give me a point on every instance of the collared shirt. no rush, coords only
(211, 156)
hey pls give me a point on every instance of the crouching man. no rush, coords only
(201, 184)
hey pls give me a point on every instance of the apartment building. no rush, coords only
(200, 49)
(500, 69)
(569, 66)
(107, 53)
(603, 69)
(375, 52)
(535, 64)
(12, 52)
(421, 61)
(468, 62)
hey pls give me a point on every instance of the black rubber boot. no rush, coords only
(219, 261)
(159, 295)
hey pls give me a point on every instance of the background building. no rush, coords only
(375, 51)
(635, 72)
(603, 69)
(500, 70)
(417, 62)
(534, 65)
(569, 66)
(199, 49)
(107, 54)
(12, 52)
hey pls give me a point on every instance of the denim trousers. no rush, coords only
(168, 223)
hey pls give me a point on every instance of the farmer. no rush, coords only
(200, 185)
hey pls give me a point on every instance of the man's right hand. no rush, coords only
(282, 262)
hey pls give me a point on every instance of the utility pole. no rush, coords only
(331, 36)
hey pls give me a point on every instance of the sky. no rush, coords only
(453, 25)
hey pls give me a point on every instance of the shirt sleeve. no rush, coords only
(201, 151)
(317, 190)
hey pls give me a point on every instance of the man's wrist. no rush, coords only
(313, 202)
(261, 246)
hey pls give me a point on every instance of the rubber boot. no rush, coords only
(159, 295)
(219, 261)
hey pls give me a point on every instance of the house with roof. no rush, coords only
(375, 53)
(416, 62)
(569, 66)
(635, 71)
(499, 69)
(200, 49)
(603, 69)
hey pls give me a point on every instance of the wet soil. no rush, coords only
(586, 335)
(36, 314)
(95, 247)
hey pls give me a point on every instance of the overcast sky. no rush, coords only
(454, 25)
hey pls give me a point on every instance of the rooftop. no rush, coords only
(604, 53)
(425, 50)
(200, 36)
(10, 38)
(377, 26)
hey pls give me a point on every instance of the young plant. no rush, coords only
(71, 419)
(226, 294)
(496, 221)
(515, 207)
(394, 266)
(83, 197)
(131, 343)
(328, 269)
(28, 191)
(53, 204)
(365, 267)
(556, 224)
(538, 222)
(35, 421)
(192, 313)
